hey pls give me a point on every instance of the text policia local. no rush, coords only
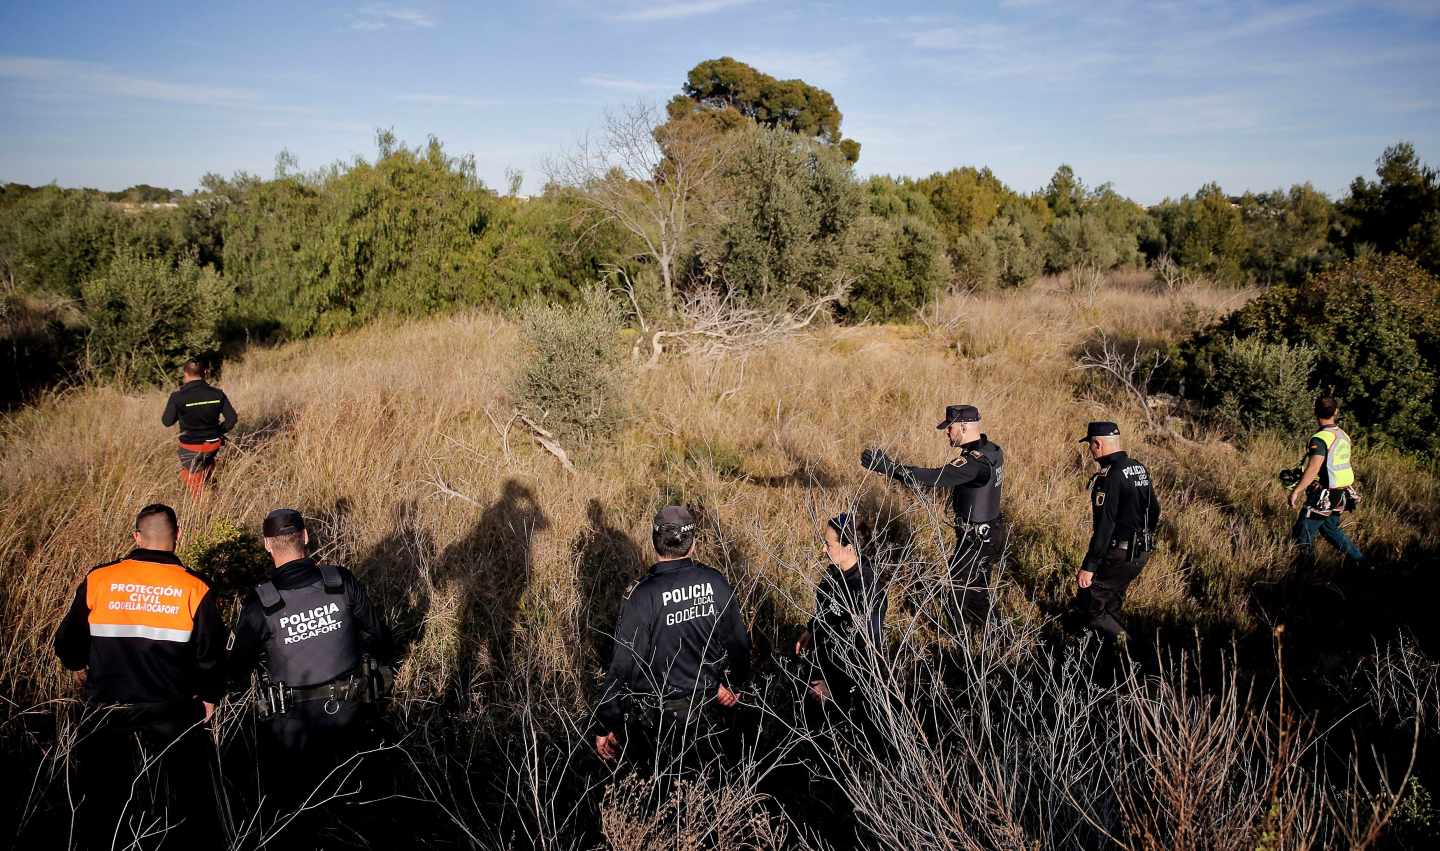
(701, 600)
(317, 621)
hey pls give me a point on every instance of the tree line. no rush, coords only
(743, 184)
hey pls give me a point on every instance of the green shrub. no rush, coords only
(1082, 241)
(976, 260)
(899, 264)
(1262, 386)
(572, 372)
(147, 317)
(231, 559)
(1374, 326)
(790, 203)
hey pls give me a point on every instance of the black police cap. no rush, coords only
(675, 517)
(960, 414)
(1100, 429)
(282, 521)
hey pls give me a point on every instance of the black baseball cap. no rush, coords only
(1100, 429)
(282, 521)
(676, 517)
(960, 414)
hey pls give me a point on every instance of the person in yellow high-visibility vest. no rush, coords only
(1325, 485)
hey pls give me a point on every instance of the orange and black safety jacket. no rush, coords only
(204, 412)
(146, 631)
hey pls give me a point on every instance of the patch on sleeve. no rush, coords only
(1099, 498)
(958, 462)
(230, 642)
(631, 589)
(977, 455)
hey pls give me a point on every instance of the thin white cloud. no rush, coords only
(449, 100)
(816, 67)
(669, 11)
(982, 37)
(1193, 115)
(379, 16)
(62, 77)
(619, 84)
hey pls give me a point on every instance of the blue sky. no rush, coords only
(1156, 97)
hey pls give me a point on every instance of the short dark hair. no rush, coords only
(196, 367)
(150, 519)
(1325, 407)
(672, 541)
(288, 541)
(844, 526)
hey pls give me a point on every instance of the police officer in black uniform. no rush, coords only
(681, 654)
(1124, 516)
(975, 478)
(846, 631)
(306, 631)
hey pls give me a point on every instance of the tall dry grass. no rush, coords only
(502, 572)
(397, 442)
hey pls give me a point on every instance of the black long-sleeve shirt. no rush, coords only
(204, 412)
(848, 623)
(252, 630)
(679, 633)
(145, 630)
(1122, 505)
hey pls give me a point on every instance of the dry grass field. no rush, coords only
(493, 560)
(502, 570)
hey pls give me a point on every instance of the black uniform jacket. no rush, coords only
(204, 412)
(145, 630)
(679, 632)
(252, 630)
(849, 618)
(1122, 505)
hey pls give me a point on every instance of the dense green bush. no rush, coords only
(572, 371)
(1374, 327)
(899, 264)
(1205, 234)
(1081, 240)
(791, 202)
(233, 560)
(1262, 386)
(1399, 213)
(52, 239)
(147, 316)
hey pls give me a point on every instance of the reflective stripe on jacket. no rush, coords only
(1337, 456)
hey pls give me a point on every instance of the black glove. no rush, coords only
(874, 459)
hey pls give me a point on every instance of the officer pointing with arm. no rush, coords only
(975, 479)
(680, 647)
(1124, 516)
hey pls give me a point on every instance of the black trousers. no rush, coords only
(978, 550)
(682, 739)
(1098, 607)
(148, 775)
(308, 755)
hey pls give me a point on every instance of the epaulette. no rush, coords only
(958, 462)
(331, 579)
(977, 455)
(269, 595)
(631, 589)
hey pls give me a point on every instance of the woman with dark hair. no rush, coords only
(845, 632)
